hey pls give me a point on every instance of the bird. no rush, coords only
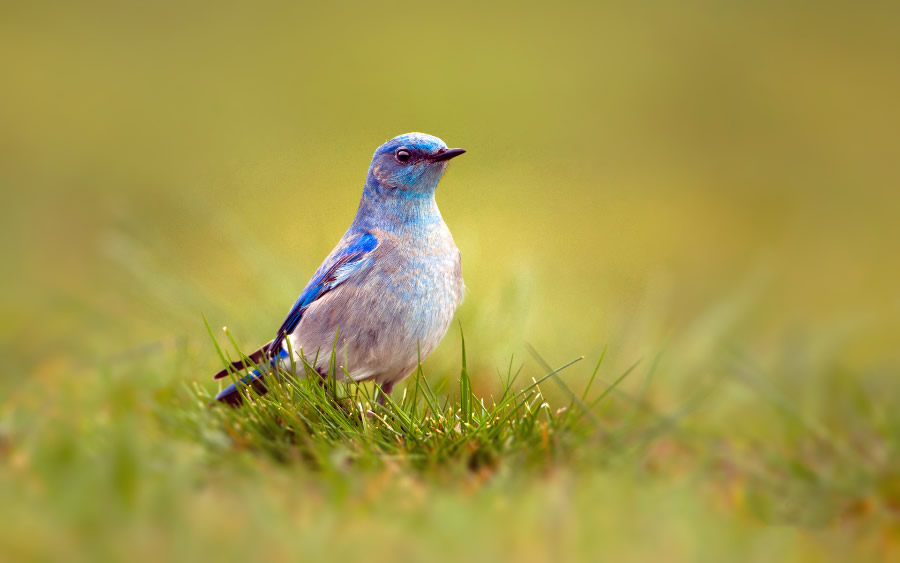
(386, 295)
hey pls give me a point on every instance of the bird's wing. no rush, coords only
(345, 261)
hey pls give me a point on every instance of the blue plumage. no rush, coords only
(391, 286)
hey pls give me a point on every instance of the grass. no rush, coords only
(140, 468)
(690, 451)
(306, 419)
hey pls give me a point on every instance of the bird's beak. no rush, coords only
(447, 154)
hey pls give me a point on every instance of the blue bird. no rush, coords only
(386, 294)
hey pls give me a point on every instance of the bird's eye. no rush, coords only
(403, 155)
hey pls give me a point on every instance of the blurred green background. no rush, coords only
(690, 177)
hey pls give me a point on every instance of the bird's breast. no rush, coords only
(423, 270)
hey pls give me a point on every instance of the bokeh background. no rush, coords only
(700, 179)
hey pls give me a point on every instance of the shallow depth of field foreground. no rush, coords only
(680, 339)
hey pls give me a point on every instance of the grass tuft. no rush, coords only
(307, 418)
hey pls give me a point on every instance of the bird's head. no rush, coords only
(411, 164)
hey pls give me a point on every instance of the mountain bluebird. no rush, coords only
(385, 296)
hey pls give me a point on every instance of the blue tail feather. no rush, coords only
(232, 395)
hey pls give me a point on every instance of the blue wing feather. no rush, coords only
(330, 275)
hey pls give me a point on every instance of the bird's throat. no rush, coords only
(392, 209)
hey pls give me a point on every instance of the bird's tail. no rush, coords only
(232, 394)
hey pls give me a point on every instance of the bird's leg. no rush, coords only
(323, 380)
(381, 393)
(384, 392)
(382, 398)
